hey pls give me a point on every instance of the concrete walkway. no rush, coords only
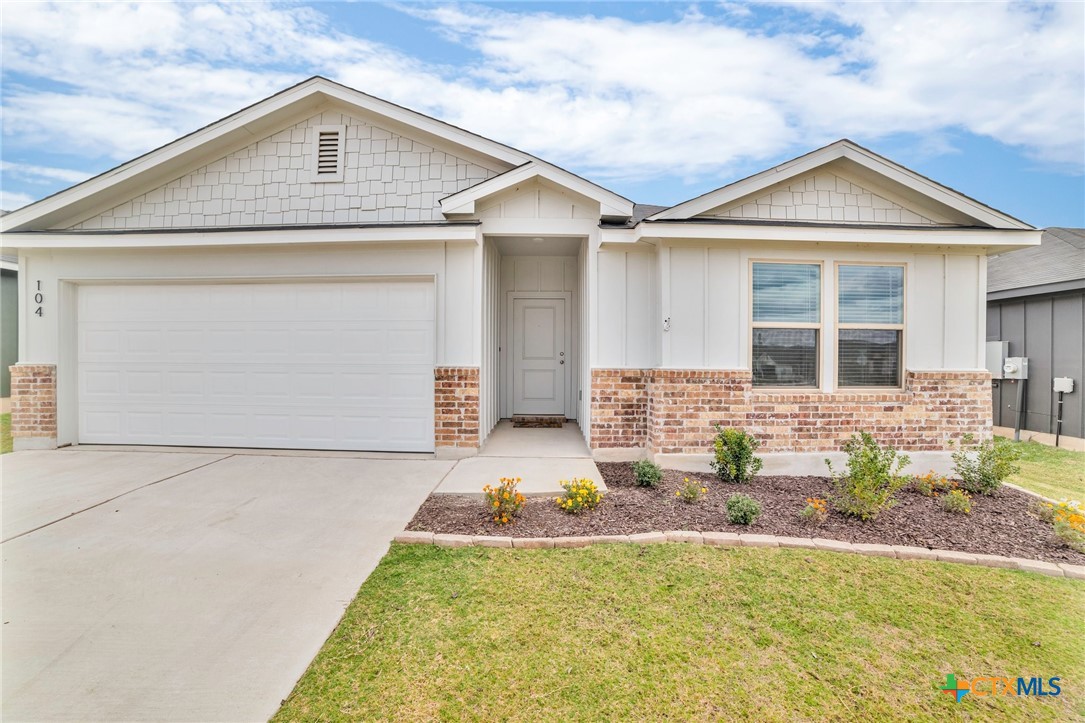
(185, 586)
(542, 458)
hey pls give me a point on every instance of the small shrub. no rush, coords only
(872, 478)
(984, 467)
(742, 509)
(932, 484)
(580, 495)
(503, 501)
(815, 512)
(958, 502)
(1068, 521)
(690, 492)
(734, 459)
(648, 474)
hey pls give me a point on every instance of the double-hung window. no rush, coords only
(786, 329)
(870, 325)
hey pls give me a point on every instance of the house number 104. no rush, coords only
(38, 299)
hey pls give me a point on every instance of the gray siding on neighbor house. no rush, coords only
(9, 331)
(1048, 329)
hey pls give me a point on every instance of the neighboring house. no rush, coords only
(1036, 302)
(9, 319)
(328, 270)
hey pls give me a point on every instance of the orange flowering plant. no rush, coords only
(1068, 519)
(933, 484)
(815, 512)
(580, 495)
(503, 502)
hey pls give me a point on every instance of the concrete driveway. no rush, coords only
(158, 586)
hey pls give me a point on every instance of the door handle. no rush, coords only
(561, 362)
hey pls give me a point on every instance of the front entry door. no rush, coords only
(539, 357)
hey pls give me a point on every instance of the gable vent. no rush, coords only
(327, 153)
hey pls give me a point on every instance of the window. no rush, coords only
(327, 153)
(870, 325)
(786, 310)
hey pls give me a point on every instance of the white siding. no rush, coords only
(387, 178)
(823, 196)
(534, 200)
(627, 310)
(706, 293)
(490, 372)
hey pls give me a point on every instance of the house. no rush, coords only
(9, 319)
(1041, 291)
(328, 270)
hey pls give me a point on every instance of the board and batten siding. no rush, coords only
(387, 178)
(1049, 329)
(627, 311)
(705, 294)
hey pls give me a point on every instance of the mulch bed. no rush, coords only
(1000, 524)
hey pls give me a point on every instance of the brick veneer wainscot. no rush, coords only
(456, 406)
(33, 402)
(672, 411)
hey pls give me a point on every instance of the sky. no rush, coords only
(659, 102)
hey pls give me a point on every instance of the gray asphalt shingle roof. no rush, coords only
(1059, 258)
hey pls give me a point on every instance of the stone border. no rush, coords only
(731, 539)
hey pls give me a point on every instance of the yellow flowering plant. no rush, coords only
(504, 501)
(580, 494)
(690, 492)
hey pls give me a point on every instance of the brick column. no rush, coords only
(619, 408)
(456, 411)
(34, 406)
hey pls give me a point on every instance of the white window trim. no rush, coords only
(902, 327)
(314, 152)
(819, 325)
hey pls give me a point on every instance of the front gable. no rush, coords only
(260, 160)
(533, 199)
(841, 183)
(383, 177)
(828, 195)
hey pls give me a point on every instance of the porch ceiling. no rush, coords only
(528, 246)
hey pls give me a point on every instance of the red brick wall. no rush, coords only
(456, 406)
(33, 402)
(619, 406)
(682, 405)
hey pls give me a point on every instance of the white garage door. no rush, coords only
(288, 365)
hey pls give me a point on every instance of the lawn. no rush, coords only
(5, 433)
(1052, 472)
(619, 632)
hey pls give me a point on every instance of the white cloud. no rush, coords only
(42, 174)
(612, 98)
(12, 200)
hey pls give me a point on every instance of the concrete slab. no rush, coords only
(540, 476)
(508, 441)
(203, 597)
(42, 487)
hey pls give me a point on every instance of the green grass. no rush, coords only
(1049, 471)
(5, 433)
(620, 632)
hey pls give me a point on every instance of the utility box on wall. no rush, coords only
(997, 351)
(1015, 367)
(1063, 385)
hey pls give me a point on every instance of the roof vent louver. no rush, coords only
(327, 154)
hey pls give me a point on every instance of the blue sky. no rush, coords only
(657, 101)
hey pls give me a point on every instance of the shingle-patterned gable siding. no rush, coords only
(823, 196)
(387, 178)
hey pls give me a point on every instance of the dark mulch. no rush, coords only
(1000, 524)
